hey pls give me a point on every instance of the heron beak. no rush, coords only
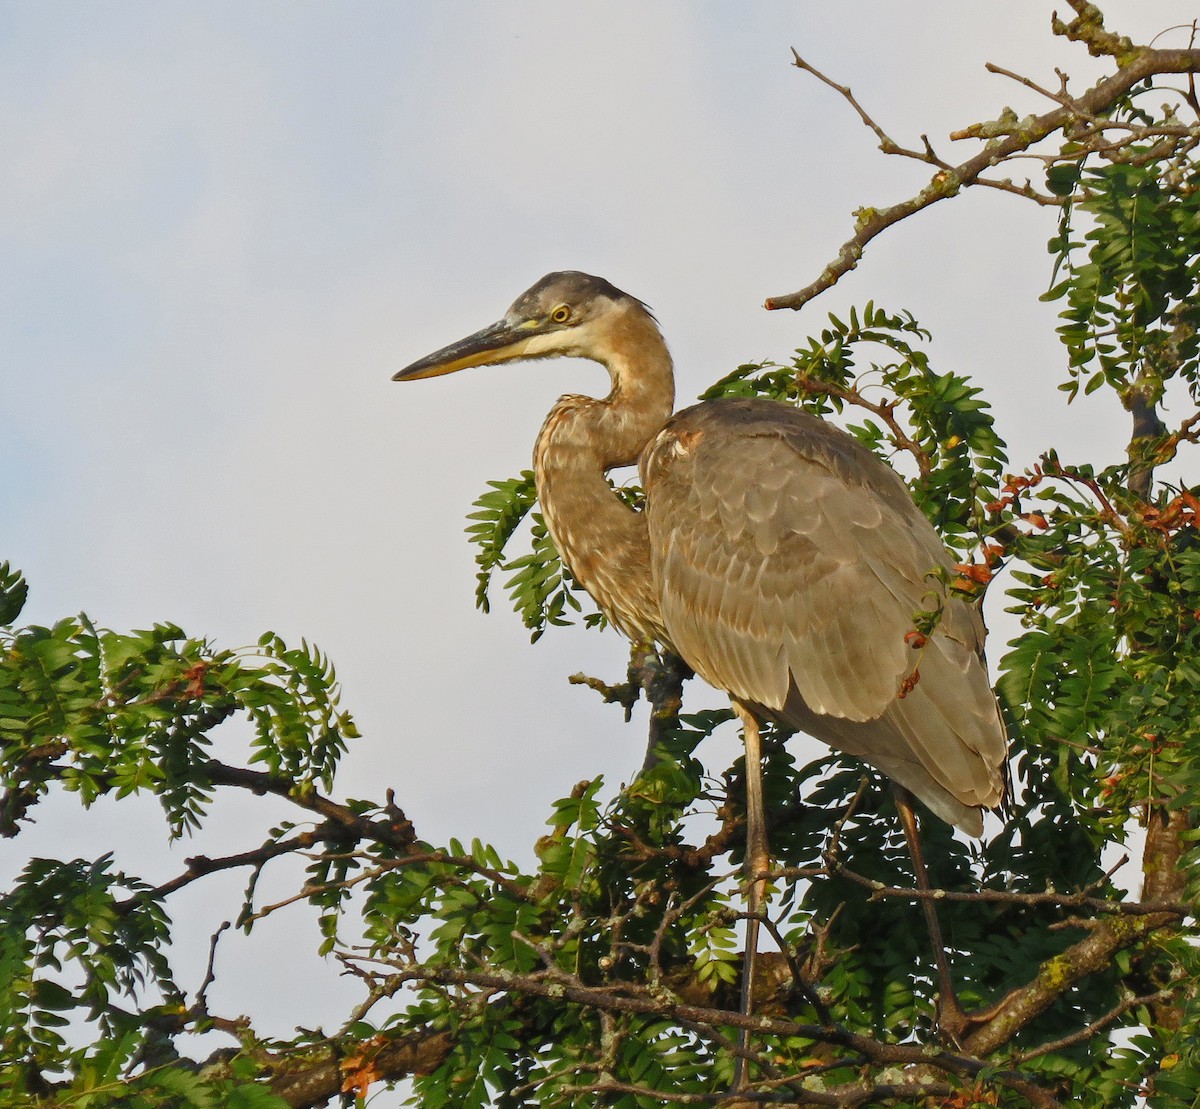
(498, 342)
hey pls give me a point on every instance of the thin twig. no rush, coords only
(201, 1003)
(1080, 900)
(1084, 1034)
(1132, 68)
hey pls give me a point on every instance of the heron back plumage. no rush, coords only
(790, 564)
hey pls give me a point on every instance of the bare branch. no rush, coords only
(886, 143)
(1080, 900)
(1059, 974)
(1098, 1025)
(1059, 97)
(395, 831)
(306, 1082)
(1013, 138)
(201, 1002)
(566, 987)
(1167, 834)
(1088, 27)
(199, 866)
(1026, 191)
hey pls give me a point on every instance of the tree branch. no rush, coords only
(1080, 900)
(396, 831)
(201, 865)
(1060, 973)
(316, 1083)
(1011, 139)
(564, 987)
(1164, 877)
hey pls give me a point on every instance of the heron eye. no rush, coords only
(561, 314)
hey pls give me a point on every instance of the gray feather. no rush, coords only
(790, 563)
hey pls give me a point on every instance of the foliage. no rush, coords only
(539, 585)
(95, 712)
(1129, 280)
(100, 711)
(606, 972)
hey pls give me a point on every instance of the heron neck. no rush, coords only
(643, 390)
(604, 542)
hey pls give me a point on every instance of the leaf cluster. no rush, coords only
(105, 712)
(1125, 250)
(99, 713)
(539, 586)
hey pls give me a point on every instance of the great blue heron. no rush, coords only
(777, 556)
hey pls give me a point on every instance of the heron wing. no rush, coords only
(786, 553)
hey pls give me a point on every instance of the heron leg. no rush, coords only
(757, 862)
(951, 1018)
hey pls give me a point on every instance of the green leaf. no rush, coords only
(14, 591)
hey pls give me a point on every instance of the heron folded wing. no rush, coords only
(950, 720)
(783, 551)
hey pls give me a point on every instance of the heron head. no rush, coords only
(566, 313)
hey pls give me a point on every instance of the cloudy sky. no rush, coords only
(224, 226)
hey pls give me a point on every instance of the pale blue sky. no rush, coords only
(223, 227)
